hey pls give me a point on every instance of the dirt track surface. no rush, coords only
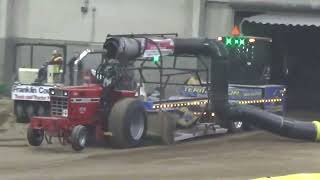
(242, 156)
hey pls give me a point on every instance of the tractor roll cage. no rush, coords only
(164, 78)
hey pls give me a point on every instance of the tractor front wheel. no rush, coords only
(127, 123)
(35, 136)
(79, 137)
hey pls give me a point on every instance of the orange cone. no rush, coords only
(235, 31)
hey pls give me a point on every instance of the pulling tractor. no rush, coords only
(111, 108)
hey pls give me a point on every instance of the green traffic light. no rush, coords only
(228, 41)
(155, 59)
(242, 43)
(235, 41)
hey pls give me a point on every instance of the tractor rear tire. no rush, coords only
(127, 123)
(79, 137)
(35, 136)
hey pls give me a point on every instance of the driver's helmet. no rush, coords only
(56, 58)
(55, 52)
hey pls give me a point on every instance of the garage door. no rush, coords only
(296, 53)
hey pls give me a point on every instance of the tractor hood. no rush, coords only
(91, 90)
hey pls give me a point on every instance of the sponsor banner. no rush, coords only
(193, 91)
(246, 93)
(235, 93)
(166, 47)
(30, 93)
(275, 91)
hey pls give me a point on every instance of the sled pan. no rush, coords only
(163, 126)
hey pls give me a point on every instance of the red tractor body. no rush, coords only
(70, 106)
(77, 105)
(106, 105)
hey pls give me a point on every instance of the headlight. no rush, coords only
(52, 92)
(65, 93)
(65, 112)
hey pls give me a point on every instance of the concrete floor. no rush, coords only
(237, 157)
(243, 156)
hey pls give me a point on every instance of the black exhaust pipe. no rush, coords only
(218, 88)
(276, 124)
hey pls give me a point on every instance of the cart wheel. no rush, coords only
(79, 137)
(19, 112)
(35, 136)
(30, 110)
(127, 123)
(42, 110)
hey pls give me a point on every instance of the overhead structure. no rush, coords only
(287, 19)
(273, 5)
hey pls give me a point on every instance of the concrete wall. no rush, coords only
(3, 33)
(6, 40)
(219, 19)
(51, 20)
(3, 18)
(63, 20)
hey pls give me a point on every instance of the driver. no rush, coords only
(56, 59)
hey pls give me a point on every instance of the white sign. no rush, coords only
(166, 46)
(30, 93)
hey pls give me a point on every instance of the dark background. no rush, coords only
(295, 60)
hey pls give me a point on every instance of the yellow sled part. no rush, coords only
(315, 176)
